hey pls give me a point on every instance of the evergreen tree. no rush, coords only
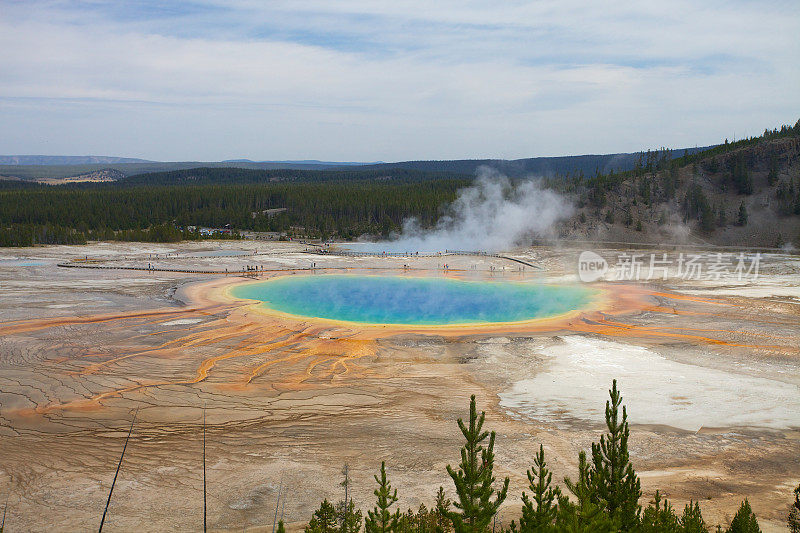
(772, 176)
(671, 183)
(696, 205)
(613, 476)
(380, 519)
(740, 175)
(692, 520)
(474, 480)
(281, 527)
(645, 190)
(797, 202)
(585, 516)
(707, 222)
(410, 522)
(349, 518)
(324, 519)
(441, 512)
(344, 508)
(539, 515)
(742, 218)
(794, 512)
(658, 518)
(424, 520)
(744, 521)
(421, 521)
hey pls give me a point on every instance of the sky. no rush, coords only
(358, 80)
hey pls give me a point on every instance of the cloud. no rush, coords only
(388, 81)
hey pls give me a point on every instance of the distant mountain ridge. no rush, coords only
(536, 166)
(47, 160)
(44, 168)
(316, 162)
(34, 172)
(67, 160)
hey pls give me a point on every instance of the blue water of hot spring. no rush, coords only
(414, 301)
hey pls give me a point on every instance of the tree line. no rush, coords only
(347, 209)
(19, 235)
(603, 497)
(233, 175)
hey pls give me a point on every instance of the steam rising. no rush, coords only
(491, 215)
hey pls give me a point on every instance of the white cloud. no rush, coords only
(364, 80)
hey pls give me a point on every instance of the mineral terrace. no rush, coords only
(709, 371)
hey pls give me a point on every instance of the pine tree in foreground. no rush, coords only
(744, 521)
(349, 518)
(474, 480)
(658, 518)
(692, 520)
(424, 520)
(341, 507)
(539, 514)
(794, 512)
(324, 519)
(613, 477)
(585, 516)
(419, 521)
(380, 519)
(606, 494)
(441, 510)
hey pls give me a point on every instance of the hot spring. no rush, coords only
(414, 301)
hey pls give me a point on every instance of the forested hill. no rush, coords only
(745, 193)
(231, 176)
(49, 168)
(587, 165)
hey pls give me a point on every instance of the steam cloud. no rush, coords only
(491, 215)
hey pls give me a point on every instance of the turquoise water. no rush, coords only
(416, 301)
(20, 263)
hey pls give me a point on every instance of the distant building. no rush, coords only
(208, 232)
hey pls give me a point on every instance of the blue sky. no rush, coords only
(362, 80)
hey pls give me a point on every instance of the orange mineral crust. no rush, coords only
(257, 347)
(294, 398)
